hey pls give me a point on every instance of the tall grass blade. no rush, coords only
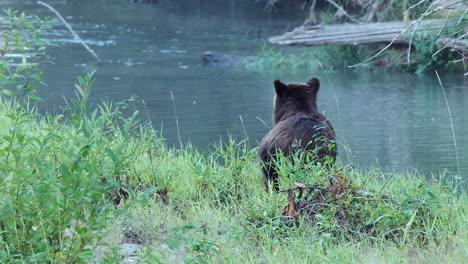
(451, 124)
(337, 108)
(177, 120)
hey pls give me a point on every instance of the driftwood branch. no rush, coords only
(75, 36)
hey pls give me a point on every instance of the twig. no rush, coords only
(314, 187)
(461, 17)
(443, 25)
(75, 36)
(385, 48)
(399, 166)
(342, 10)
(451, 123)
(322, 204)
(451, 43)
(311, 20)
(373, 10)
(415, 5)
(177, 120)
(459, 60)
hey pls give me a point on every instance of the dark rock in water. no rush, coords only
(212, 58)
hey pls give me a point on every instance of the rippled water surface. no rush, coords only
(149, 51)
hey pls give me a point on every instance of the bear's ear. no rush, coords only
(314, 84)
(280, 88)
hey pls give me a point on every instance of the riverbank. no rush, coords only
(415, 36)
(78, 186)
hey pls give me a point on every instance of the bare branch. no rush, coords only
(386, 47)
(75, 36)
(415, 5)
(458, 43)
(342, 10)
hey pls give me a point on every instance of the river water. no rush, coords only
(390, 120)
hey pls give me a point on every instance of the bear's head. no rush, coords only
(293, 98)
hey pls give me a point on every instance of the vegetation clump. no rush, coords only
(342, 208)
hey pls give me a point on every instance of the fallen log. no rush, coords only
(456, 44)
(459, 45)
(355, 34)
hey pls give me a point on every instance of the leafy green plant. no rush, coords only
(54, 206)
(21, 36)
(54, 185)
(200, 247)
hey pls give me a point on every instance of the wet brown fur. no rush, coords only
(297, 125)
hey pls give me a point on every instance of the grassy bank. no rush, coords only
(77, 186)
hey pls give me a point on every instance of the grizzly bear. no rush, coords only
(298, 125)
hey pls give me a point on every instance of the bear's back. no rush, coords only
(300, 131)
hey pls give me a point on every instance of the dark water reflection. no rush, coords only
(150, 51)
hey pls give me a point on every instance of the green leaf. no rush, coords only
(36, 77)
(10, 93)
(111, 154)
(34, 98)
(76, 120)
(85, 130)
(30, 88)
(173, 242)
(29, 25)
(64, 170)
(84, 152)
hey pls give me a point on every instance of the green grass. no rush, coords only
(75, 186)
(61, 174)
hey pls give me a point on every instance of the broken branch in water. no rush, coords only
(75, 36)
